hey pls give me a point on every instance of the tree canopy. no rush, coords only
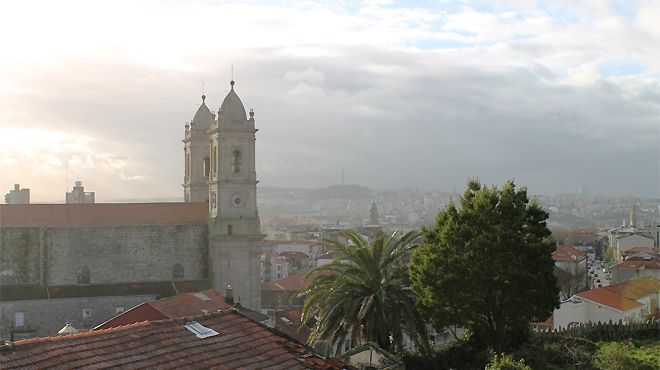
(365, 293)
(487, 264)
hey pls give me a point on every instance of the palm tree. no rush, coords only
(365, 292)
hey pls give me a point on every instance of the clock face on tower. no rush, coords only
(237, 201)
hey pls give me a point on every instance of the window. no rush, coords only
(177, 271)
(279, 276)
(19, 319)
(188, 170)
(207, 166)
(279, 268)
(229, 230)
(7, 276)
(236, 163)
(83, 275)
(214, 160)
(87, 314)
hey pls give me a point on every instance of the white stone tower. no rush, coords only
(234, 227)
(196, 154)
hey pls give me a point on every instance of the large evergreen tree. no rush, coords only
(365, 292)
(487, 264)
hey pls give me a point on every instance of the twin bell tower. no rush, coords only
(220, 169)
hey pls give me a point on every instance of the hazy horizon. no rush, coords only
(419, 95)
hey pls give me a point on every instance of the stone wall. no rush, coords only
(112, 254)
(126, 253)
(19, 255)
(45, 317)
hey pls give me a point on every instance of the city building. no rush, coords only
(78, 195)
(18, 195)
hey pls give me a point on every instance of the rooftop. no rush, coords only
(638, 264)
(240, 344)
(291, 283)
(102, 214)
(160, 288)
(288, 321)
(566, 253)
(623, 296)
(182, 305)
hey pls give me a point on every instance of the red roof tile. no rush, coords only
(290, 283)
(240, 344)
(288, 322)
(290, 242)
(102, 214)
(623, 296)
(182, 305)
(610, 299)
(566, 253)
(638, 264)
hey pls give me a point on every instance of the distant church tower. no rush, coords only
(373, 214)
(234, 226)
(196, 154)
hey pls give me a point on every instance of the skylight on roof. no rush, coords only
(201, 296)
(200, 330)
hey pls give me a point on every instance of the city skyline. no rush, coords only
(419, 96)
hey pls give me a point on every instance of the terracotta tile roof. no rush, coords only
(279, 261)
(167, 344)
(191, 304)
(102, 214)
(294, 255)
(635, 250)
(609, 298)
(288, 322)
(623, 296)
(291, 283)
(162, 288)
(638, 264)
(566, 253)
(182, 305)
(290, 242)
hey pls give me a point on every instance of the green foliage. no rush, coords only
(365, 292)
(625, 356)
(505, 362)
(463, 354)
(610, 255)
(487, 265)
(557, 352)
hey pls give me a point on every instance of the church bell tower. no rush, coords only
(234, 226)
(196, 155)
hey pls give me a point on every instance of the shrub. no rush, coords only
(624, 356)
(506, 362)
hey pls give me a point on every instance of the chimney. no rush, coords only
(229, 295)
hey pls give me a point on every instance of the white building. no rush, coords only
(629, 302)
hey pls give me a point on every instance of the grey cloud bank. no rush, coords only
(391, 119)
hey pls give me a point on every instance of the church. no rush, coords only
(83, 263)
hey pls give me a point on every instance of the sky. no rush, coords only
(411, 94)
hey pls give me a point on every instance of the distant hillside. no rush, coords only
(340, 192)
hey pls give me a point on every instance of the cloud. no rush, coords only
(397, 97)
